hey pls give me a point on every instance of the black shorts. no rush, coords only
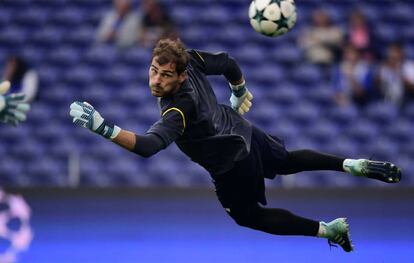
(244, 184)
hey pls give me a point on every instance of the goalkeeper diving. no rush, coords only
(237, 154)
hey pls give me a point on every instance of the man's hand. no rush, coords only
(240, 98)
(12, 108)
(86, 116)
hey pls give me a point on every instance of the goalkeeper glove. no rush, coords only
(240, 98)
(12, 108)
(86, 116)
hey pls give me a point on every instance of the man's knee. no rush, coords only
(246, 216)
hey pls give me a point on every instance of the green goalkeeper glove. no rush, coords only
(86, 116)
(240, 98)
(12, 108)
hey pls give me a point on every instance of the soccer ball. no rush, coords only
(15, 231)
(272, 17)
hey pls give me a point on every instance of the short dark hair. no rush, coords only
(171, 51)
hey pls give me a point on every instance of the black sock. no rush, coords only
(309, 160)
(282, 222)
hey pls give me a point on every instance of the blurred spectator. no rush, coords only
(119, 25)
(360, 35)
(22, 78)
(156, 23)
(322, 40)
(353, 79)
(396, 76)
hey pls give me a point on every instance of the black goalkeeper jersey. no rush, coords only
(211, 134)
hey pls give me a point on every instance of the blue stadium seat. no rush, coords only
(33, 54)
(117, 75)
(32, 17)
(399, 14)
(321, 95)
(265, 113)
(343, 116)
(214, 15)
(381, 148)
(68, 16)
(249, 54)
(47, 172)
(11, 170)
(401, 131)
(286, 54)
(10, 134)
(13, 36)
(136, 57)
(230, 34)
(64, 56)
(49, 75)
(81, 76)
(27, 148)
(267, 74)
(307, 74)
(362, 131)
(285, 94)
(47, 37)
(183, 14)
(323, 132)
(58, 95)
(285, 130)
(304, 114)
(408, 111)
(39, 114)
(6, 15)
(147, 113)
(81, 36)
(102, 55)
(344, 146)
(383, 114)
(387, 33)
(161, 169)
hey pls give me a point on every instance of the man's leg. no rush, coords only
(239, 195)
(309, 160)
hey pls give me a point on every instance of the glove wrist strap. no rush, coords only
(108, 131)
(238, 90)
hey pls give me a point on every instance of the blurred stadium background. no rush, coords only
(293, 99)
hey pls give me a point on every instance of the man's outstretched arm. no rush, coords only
(159, 137)
(143, 145)
(223, 64)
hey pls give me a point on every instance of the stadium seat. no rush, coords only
(101, 55)
(284, 94)
(64, 56)
(286, 54)
(81, 36)
(307, 74)
(323, 132)
(383, 114)
(68, 17)
(13, 36)
(136, 57)
(80, 76)
(343, 116)
(11, 171)
(401, 131)
(362, 132)
(47, 37)
(304, 114)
